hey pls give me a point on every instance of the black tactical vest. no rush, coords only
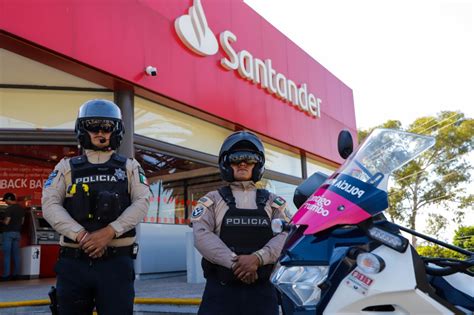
(244, 231)
(99, 192)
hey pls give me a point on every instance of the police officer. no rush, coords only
(95, 201)
(232, 231)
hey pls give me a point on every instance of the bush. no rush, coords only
(438, 251)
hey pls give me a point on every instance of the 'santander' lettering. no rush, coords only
(261, 72)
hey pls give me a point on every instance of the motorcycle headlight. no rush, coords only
(300, 283)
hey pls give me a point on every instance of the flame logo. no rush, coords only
(194, 32)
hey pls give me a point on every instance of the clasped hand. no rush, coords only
(245, 268)
(95, 243)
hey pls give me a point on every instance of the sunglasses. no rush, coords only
(95, 125)
(244, 156)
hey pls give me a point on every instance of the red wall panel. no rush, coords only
(122, 37)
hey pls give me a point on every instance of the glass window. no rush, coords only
(159, 122)
(176, 184)
(43, 109)
(314, 166)
(284, 190)
(282, 161)
(20, 70)
(25, 168)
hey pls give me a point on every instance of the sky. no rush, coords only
(403, 59)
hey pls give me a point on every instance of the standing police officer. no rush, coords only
(95, 201)
(232, 230)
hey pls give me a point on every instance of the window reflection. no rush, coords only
(25, 168)
(176, 184)
(283, 190)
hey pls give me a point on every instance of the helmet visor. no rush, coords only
(94, 125)
(244, 156)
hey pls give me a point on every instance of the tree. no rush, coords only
(439, 176)
(464, 237)
(438, 251)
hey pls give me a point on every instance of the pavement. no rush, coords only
(173, 285)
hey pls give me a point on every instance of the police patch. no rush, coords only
(50, 179)
(120, 174)
(279, 201)
(198, 211)
(207, 202)
(142, 177)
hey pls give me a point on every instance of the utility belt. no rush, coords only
(226, 276)
(78, 253)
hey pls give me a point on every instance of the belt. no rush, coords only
(77, 253)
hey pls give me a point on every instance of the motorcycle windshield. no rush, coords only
(358, 189)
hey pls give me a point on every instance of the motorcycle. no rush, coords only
(342, 256)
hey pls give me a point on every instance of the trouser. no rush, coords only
(106, 284)
(238, 299)
(11, 248)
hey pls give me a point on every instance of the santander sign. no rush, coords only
(195, 34)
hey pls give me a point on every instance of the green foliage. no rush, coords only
(438, 251)
(435, 224)
(439, 176)
(464, 237)
(390, 124)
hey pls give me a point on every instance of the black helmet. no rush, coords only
(99, 111)
(9, 197)
(241, 142)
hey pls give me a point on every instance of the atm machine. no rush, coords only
(42, 232)
(44, 235)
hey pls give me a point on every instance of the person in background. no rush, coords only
(232, 231)
(13, 221)
(95, 201)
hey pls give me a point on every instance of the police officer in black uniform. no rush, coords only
(232, 230)
(95, 201)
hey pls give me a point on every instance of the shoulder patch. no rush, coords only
(198, 211)
(207, 202)
(142, 177)
(50, 179)
(278, 202)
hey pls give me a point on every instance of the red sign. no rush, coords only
(25, 181)
(253, 76)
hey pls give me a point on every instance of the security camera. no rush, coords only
(150, 70)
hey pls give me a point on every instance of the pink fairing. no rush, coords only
(325, 209)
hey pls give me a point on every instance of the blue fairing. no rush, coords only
(320, 250)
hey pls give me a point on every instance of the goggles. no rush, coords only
(244, 156)
(94, 125)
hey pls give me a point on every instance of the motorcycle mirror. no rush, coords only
(307, 188)
(345, 144)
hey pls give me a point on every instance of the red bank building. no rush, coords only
(186, 74)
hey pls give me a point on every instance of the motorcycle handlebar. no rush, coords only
(440, 271)
(448, 266)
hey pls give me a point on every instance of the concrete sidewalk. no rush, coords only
(154, 286)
